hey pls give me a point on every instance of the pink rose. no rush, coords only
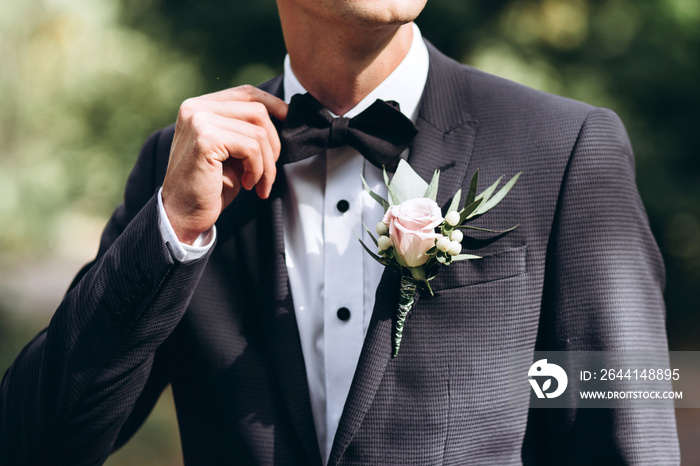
(412, 229)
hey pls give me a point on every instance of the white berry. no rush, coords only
(443, 243)
(457, 236)
(382, 229)
(454, 248)
(452, 218)
(384, 243)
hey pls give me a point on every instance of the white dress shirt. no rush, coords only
(333, 280)
(328, 269)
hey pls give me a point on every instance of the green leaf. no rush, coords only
(498, 197)
(373, 255)
(406, 184)
(471, 194)
(489, 191)
(392, 199)
(469, 210)
(427, 285)
(431, 192)
(462, 257)
(370, 235)
(383, 202)
(487, 230)
(454, 205)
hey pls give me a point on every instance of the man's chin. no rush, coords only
(381, 13)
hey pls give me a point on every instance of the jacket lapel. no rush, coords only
(446, 130)
(444, 141)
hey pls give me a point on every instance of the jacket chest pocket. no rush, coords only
(491, 267)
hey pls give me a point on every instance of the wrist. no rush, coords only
(185, 233)
(187, 237)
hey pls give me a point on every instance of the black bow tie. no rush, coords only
(380, 133)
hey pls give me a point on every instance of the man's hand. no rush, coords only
(223, 141)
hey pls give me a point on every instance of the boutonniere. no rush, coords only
(416, 240)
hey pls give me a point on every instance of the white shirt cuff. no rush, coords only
(183, 252)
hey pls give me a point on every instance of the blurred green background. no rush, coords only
(83, 83)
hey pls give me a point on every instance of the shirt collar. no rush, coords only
(404, 85)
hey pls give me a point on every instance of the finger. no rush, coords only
(248, 151)
(250, 144)
(264, 186)
(263, 181)
(252, 112)
(194, 110)
(266, 135)
(217, 139)
(231, 174)
(246, 93)
(273, 138)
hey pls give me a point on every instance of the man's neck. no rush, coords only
(340, 67)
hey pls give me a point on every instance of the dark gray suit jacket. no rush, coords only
(581, 272)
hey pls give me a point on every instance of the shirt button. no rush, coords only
(343, 205)
(344, 314)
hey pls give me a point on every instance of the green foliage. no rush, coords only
(79, 93)
(234, 42)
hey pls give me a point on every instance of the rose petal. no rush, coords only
(412, 229)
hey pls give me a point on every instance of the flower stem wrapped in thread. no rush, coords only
(407, 296)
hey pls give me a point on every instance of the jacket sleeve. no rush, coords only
(603, 291)
(72, 388)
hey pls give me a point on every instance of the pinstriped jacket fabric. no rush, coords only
(581, 272)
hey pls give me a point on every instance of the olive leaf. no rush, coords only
(372, 254)
(471, 194)
(462, 257)
(454, 205)
(489, 203)
(431, 192)
(383, 202)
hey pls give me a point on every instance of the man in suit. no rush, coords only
(259, 308)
